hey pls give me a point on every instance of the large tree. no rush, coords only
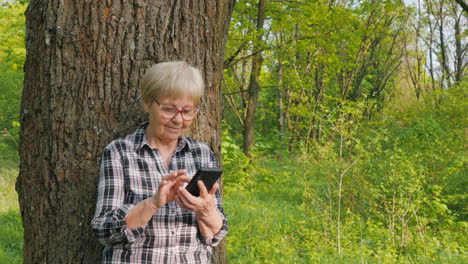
(82, 71)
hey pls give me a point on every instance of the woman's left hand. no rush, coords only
(202, 205)
(208, 218)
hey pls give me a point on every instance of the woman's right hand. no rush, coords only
(168, 188)
(144, 210)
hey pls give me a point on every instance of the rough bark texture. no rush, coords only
(83, 66)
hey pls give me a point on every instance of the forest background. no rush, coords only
(344, 131)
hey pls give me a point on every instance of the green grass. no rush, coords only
(263, 218)
(268, 223)
(11, 230)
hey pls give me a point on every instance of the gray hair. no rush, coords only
(169, 79)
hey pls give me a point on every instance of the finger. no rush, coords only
(166, 182)
(203, 190)
(183, 179)
(167, 187)
(170, 176)
(182, 200)
(187, 196)
(214, 189)
(162, 183)
(178, 184)
(181, 172)
(178, 200)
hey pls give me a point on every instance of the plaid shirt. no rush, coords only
(131, 172)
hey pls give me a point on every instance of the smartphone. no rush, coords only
(209, 176)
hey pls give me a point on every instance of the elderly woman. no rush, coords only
(143, 212)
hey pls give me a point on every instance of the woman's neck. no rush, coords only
(156, 142)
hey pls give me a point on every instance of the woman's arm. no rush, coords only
(109, 219)
(114, 221)
(208, 207)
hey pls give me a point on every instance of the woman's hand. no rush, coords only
(202, 204)
(208, 218)
(144, 210)
(167, 189)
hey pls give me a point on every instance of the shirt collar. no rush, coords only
(140, 140)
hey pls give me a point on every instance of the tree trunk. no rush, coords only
(460, 50)
(443, 49)
(254, 86)
(82, 71)
(463, 5)
(281, 96)
(431, 42)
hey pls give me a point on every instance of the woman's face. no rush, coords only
(168, 129)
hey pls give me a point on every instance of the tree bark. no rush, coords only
(82, 71)
(443, 49)
(463, 5)
(281, 96)
(254, 86)
(431, 43)
(460, 48)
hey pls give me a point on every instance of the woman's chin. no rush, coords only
(174, 135)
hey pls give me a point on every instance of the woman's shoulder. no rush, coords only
(195, 144)
(201, 153)
(122, 143)
(129, 142)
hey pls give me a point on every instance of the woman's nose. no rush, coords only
(178, 118)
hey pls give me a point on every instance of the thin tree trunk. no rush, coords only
(254, 86)
(82, 71)
(443, 53)
(281, 96)
(463, 5)
(459, 49)
(431, 43)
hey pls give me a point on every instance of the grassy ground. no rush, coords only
(268, 224)
(262, 219)
(11, 230)
(267, 220)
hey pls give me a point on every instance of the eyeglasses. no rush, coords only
(169, 111)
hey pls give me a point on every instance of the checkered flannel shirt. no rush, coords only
(131, 172)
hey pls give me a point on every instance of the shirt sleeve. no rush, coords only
(109, 223)
(214, 241)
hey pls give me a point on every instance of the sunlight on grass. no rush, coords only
(8, 195)
(11, 230)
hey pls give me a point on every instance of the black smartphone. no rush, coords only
(209, 176)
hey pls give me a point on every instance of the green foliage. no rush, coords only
(237, 167)
(12, 34)
(379, 178)
(359, 175)
(293, 220)
(262, 224)
(330, 56)
(384, 192)
(12, 55)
